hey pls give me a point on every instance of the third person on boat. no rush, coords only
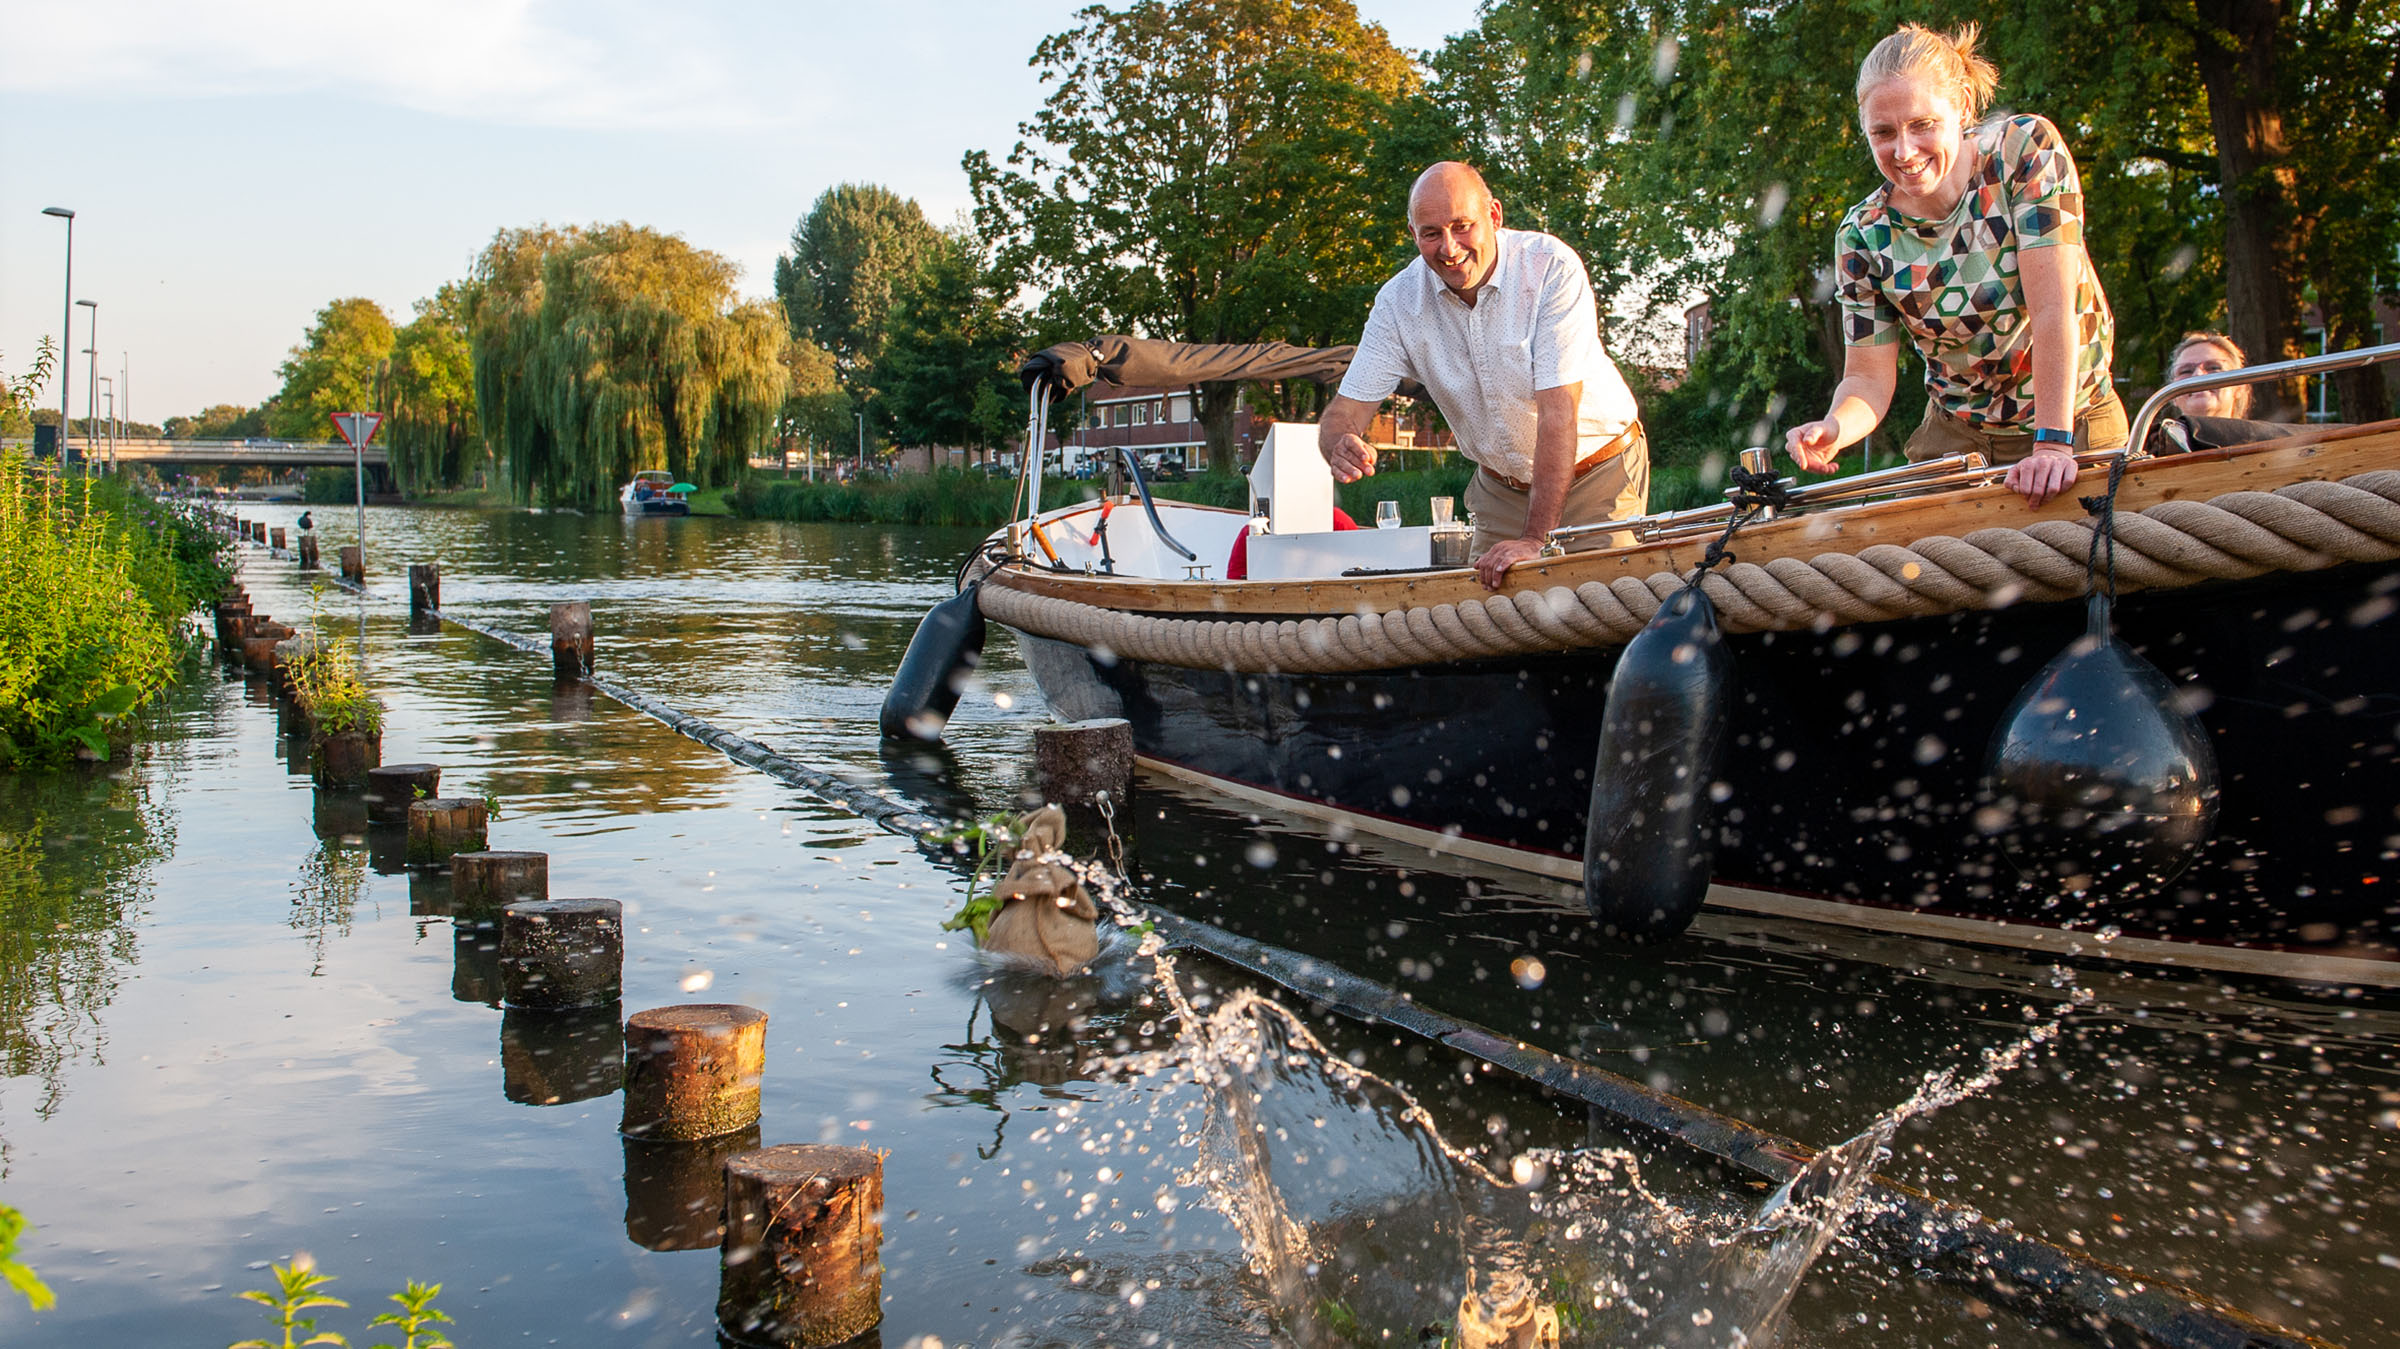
(1972, 247)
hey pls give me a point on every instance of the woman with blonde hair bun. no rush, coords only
(2207, 353)
(1972, 248)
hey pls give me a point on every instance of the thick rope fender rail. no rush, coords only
(2304, 526)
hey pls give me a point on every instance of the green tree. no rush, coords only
(432, 435)
(852, 254)
(606, 350)
(815, 408)
(1209, 171)
(334, 369)
(948, 373)
(221, 421)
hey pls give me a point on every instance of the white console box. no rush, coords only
(1299, 557)
(1294, 480)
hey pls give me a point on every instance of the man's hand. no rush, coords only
(1492, 567)
(1351, 458)
(1812, 444)
(2042, 475)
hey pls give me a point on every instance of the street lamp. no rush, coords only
(91, 396)
(108, 423)
(861, 473)
(66, 337)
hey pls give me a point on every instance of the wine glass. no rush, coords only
(1387, 515)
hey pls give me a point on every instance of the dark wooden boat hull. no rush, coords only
(1853, 774)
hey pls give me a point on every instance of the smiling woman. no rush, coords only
(1972, 248)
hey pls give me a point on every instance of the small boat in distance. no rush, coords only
(655, 493)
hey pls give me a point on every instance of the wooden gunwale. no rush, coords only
(2330, 454)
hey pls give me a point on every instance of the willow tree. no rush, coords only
(1207, 171)
(612, 349)
(431, 431)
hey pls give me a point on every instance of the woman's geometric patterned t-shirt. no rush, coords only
(1953, 285)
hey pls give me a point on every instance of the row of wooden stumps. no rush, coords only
(798, 1226)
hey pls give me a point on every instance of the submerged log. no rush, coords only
(558, 953)
(692, 1071)
(571, 639)
(393, 788)
(487, 882)
(803, 1223)
(443, 826)
(675, 1191)
(558, 1056)
(424, 587)
(342, 758)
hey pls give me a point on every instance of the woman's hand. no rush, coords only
(1815, 446)
(2042, 475)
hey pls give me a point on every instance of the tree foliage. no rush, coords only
(432, 434)
(858, 247)
(1698, 147)
(334, 369)
(815, 408)
(221, 421)
(948, 372)
(610, 349)
(1208, 171)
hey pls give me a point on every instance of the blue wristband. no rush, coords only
(2043, 435)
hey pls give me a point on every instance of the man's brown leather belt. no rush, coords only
(1623, 442)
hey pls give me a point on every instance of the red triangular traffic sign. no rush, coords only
(357, 428)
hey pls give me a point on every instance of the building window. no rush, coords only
(1141, 414)
(1120, 417)
(1182, 407)
(1099, 418)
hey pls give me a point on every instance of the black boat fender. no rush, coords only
(945, 652)
(1650, 842)
(2103, 780)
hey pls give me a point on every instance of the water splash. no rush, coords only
(1361, 1222)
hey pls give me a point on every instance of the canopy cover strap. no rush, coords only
(2304, 526)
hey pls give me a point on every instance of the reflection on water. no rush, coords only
(361, 1095)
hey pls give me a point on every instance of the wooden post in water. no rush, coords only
(232, 617)
(1075, 762)
(803, 1223)
(424, 587)
(393, 788)
(557, 953)
(443, 826)
(275, 538)
(308, 552)
(571, 639)
(692, 1071)
(486, 882)
(354, 563)
(342, 758)
(258, 648)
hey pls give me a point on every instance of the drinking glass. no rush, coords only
(1442, 507)
(1387, 515)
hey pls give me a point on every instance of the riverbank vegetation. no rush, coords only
(95, 583)
(1217, 171)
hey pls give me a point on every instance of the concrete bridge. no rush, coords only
(168, 455)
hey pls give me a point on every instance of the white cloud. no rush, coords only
(594, 64)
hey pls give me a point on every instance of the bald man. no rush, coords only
(1500, 327)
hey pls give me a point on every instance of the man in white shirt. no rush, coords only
(1501, 328)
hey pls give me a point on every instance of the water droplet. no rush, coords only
(1529, 971)
(698, 979)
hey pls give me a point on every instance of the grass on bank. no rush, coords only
(95, 583)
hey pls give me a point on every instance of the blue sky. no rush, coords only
(236, 164)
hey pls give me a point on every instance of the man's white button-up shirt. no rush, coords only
(1533, 326)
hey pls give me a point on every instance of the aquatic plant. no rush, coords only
(993, 839)
(328, 683)
(295, 1292)
(16, 1273)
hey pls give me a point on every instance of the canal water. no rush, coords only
(236, 1031)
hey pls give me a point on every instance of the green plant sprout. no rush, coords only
(15, 1272)
(325, 677)
(993, 839)
(416, 1318)
(295, 1292)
